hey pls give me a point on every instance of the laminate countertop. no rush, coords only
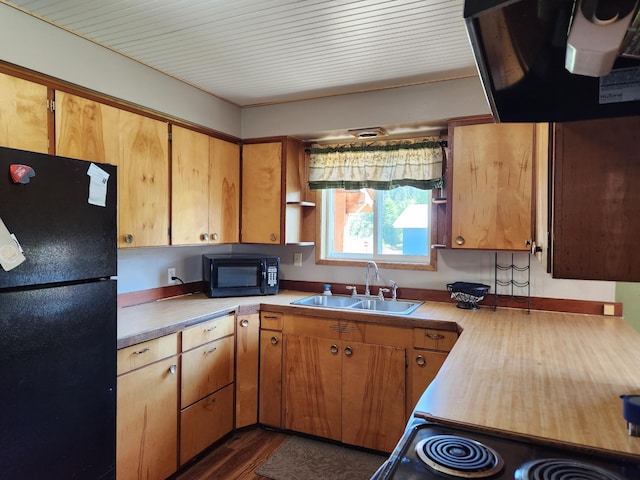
(551, 375)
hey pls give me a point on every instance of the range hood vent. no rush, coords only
(524, 50)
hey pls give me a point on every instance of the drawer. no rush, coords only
(206, 369)
(142, 354)
(207, 331)
(205, 422)
(434, 339)
(271, 321)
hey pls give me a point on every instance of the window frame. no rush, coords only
(402, 262)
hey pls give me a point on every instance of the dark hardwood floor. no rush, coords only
(236, 458)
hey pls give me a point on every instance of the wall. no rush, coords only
(419, 105)
(34, 44)
(629, 295)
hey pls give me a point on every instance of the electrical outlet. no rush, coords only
(297, 259)
(609, 309)
(171, 272)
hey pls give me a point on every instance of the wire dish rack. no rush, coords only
(467, 294)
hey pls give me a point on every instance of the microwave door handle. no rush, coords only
(263, 284)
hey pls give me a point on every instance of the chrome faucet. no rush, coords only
(394, 290)
(377, 277)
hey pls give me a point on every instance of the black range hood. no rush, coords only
(520, 48)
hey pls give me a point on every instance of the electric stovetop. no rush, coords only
(434, 449)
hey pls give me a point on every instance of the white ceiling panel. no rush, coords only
(255, 52)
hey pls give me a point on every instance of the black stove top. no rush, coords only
(433, 451)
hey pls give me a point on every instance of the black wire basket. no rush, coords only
(467, 294)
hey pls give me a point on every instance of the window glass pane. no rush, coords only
(404, 224)
(391, 224)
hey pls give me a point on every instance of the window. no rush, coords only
(376, 200)
(388, 226)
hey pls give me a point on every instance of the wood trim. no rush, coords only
(588, 307)
(57, 84)
(146, 296)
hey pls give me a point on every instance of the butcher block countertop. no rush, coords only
(551, 375)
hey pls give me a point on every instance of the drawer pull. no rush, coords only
(421, 361)
(210, 329)
(173, 369)
(244, 322)
(271, 317)
(435, 336)
(274, 340)
(139, 352)
(210, 351)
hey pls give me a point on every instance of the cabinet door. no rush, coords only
(373, 395)
(491, 186)
(423, 366)
(247, 345)
(206, 369)
(23, 114)
(312, 398)
(270, 393)
(147, 422)
(189, 187)
(86, 130)
(595, 200)
(224, 192)
(261, 193)
(143, 181)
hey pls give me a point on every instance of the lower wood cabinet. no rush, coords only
(205, 422)
(207, 385)
(147, 405)
(342, 389)
(246, 382)
(270, 391)
(345, 391)
(430, 349)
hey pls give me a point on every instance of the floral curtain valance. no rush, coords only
(379, 165)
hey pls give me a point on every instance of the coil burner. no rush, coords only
(556, 468)
(459, 456)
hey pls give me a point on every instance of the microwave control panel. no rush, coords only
(272, 275)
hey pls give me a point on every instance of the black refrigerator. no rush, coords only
(57, 317)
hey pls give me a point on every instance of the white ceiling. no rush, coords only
(255, 52)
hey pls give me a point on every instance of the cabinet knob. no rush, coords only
(274, 340)
(173, 369)
(421, 361)
(273, 237)
(214, 236)
(334, 349)
(348, 351)
(460, 240)
(204, 237)
(128, 238)
(244, 322)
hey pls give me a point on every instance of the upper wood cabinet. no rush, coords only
(596, 200)
(490, 184)
(23, 114)
(138, 145)
(204, 189)
(275, 202)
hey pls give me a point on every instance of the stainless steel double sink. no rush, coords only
(371, 304)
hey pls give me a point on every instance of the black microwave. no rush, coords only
(240, 275)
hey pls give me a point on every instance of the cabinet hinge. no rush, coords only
(170, 136)
(51, 105)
